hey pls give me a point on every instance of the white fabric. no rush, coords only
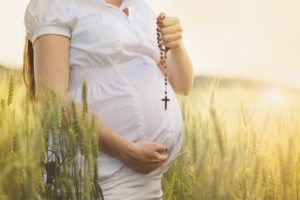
(128, 185)
(117, 55)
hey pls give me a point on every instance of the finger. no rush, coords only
(169, 21)
(161, 15)
(142, 170)
(163, 157)
(172, 45)
(153, 166)
(171, 29)
(147, 171)
(160, 148)
(158, 158)
(172, 37)
(157, 165)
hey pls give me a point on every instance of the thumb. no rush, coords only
(162, 15)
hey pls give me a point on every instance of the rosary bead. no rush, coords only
(163, 57)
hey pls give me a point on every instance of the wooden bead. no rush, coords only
(163, 57)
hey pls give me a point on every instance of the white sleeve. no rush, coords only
(48, 17)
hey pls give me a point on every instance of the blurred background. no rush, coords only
(249, 39)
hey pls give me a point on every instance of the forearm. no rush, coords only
(109, 141)
(180, 72)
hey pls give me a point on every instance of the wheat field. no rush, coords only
(239, 143)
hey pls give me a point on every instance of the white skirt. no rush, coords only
(128, 184)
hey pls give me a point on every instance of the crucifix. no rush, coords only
(163, 56)
(166, 101)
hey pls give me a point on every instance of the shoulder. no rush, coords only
(45, 5)
(45, 13)
(45, 9)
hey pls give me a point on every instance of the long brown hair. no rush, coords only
(28, 70)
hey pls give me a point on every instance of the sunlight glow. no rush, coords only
(274, 96)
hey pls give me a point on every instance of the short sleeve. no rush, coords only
(48, 17)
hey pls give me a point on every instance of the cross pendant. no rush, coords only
(165, 100)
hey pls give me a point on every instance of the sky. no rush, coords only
(234, 38)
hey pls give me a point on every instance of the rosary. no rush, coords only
(163, 57)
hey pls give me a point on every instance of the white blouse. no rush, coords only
(117, 55)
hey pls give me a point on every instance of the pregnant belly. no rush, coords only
(160, 125)
(127, 98)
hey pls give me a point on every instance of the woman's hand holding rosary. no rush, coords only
(171, 31)
(180, 67)
(169, 35)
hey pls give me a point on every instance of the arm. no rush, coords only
(180, 72)
(51, 67)
(180, 68)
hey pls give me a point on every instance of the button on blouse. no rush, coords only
(117, 55)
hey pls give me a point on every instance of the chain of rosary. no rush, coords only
(163, 57)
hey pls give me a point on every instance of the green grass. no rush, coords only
(239, 143)
(35, 141)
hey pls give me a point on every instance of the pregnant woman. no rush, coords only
(112, 44)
